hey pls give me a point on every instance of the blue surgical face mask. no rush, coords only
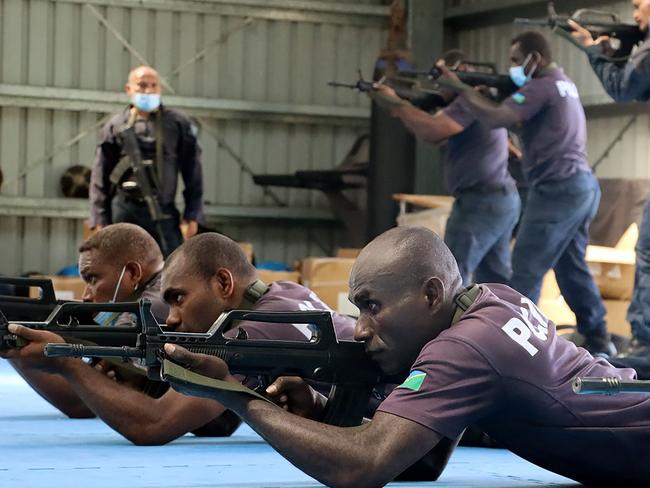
(146, 102)
(518, 73)
(109, 318)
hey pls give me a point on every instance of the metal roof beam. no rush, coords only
(100, 101)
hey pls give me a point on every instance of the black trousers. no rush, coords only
(124, 209)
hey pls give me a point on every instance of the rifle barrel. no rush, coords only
(343, 85)
(80, 351)
(524, 21)
(609, 386)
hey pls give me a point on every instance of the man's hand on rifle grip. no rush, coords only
(294, 395)
(31, 356)
(203, 364)
(583, 36)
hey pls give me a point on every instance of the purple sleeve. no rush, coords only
(460, 113)
(530, 99)
(451, 386)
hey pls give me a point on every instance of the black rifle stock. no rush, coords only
(73, 322)
(609, 386)
(22, 308)
(323, 359)
(146, 180)
(598, 23)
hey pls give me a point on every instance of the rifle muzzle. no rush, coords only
(80, 351)
(609, 386)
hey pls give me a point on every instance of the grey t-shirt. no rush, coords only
(478, 156)
(554, 128)
(503, 368)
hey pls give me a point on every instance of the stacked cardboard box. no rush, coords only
(613, 272)
(328, 278)
(434, 218)
(65, 288)
(268, 276)
(247, 247)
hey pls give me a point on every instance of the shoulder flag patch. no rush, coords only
(519, 98)
(414, 380)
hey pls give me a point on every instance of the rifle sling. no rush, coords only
(465, 300)
(179, 375)
(252, 294)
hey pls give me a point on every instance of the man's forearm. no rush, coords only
(420, 123)
(617, 80)
(334, 456)
(128, 411)
(488, 112)
(56, 390)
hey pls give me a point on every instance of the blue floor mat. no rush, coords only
(40, 447)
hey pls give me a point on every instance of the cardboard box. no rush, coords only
(65, 288)
(559, 312)
(87, 231)
(247, 247)
(434, 219)
(613, 267)
(613, 271)
(269, 277)
(550, 289)
(327, 277)
(348, 252)
(617, 317)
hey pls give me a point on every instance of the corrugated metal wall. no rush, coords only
(64, 62)
(630, 157)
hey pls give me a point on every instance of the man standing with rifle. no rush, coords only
(624, 83)
(564, 194)
(487, 204)
(140, 153)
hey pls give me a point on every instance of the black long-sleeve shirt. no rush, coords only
(181, 153)
(627, 82)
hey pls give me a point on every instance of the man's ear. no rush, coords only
(134, 269)
(224, 283)
(434, 291)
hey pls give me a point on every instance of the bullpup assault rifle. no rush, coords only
(74, 322)
(323, 358)
(623, 36)
(23, 308)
